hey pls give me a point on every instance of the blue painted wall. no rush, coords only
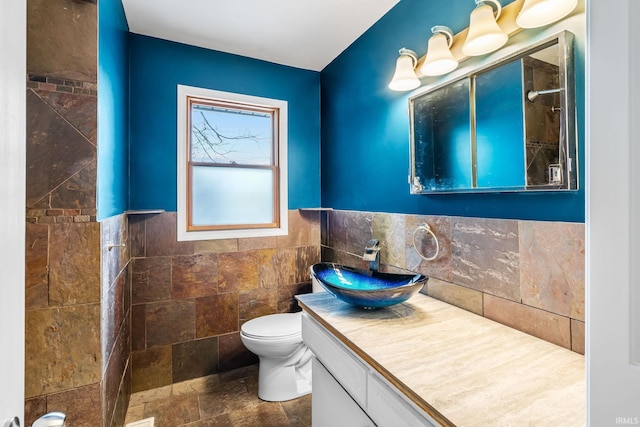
(365, 127)
(158, 66)
(113, 111)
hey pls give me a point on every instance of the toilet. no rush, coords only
(285, 361)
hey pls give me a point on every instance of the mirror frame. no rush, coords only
(568, 137)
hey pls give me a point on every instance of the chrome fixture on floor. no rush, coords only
(52, 419)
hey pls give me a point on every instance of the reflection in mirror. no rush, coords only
(542, 115)
(507, 127)
(499, 127)
(443, 153)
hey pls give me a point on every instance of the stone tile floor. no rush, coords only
(220, 400)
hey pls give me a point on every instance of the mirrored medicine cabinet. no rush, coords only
(509, 126)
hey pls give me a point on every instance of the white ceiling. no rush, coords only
(306, 34)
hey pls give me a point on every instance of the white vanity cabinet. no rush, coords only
(349, 392)
(468, 370)
(331, 405)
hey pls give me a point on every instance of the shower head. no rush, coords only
(533, 94)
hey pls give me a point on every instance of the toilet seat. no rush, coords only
(274, 326)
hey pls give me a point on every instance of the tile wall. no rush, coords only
(529, 275)
(77, 330)
(116, 320)
(189, 299)
(77, 290)
(62, 343)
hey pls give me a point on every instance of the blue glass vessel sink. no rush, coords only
(367, 289)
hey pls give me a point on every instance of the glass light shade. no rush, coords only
(439, 59)
(538, 13)
(485, 35)
(405, 77)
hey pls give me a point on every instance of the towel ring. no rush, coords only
(426, 228)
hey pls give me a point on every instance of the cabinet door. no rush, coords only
(388, 409)
(343, 365)
(331, 406)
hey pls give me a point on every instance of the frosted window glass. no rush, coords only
(227, 196)
(229, 136)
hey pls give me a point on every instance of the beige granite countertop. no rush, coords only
(461, 368)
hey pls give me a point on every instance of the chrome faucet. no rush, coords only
(52, 419)
(372, 254)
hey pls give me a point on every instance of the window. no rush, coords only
(232, 165)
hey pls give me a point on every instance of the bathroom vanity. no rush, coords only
(427, 363)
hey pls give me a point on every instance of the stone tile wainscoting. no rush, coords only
(62, 342)
(528, 275)
(115, 320)
(77, 307)
(77, 291)
(189, 299)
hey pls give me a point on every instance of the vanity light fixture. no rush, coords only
(538, 13)
(485, 35)
(405, 76)
(439, 59)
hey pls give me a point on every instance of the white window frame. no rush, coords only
(183, 234)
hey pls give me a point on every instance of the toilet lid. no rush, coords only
(274, 326)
